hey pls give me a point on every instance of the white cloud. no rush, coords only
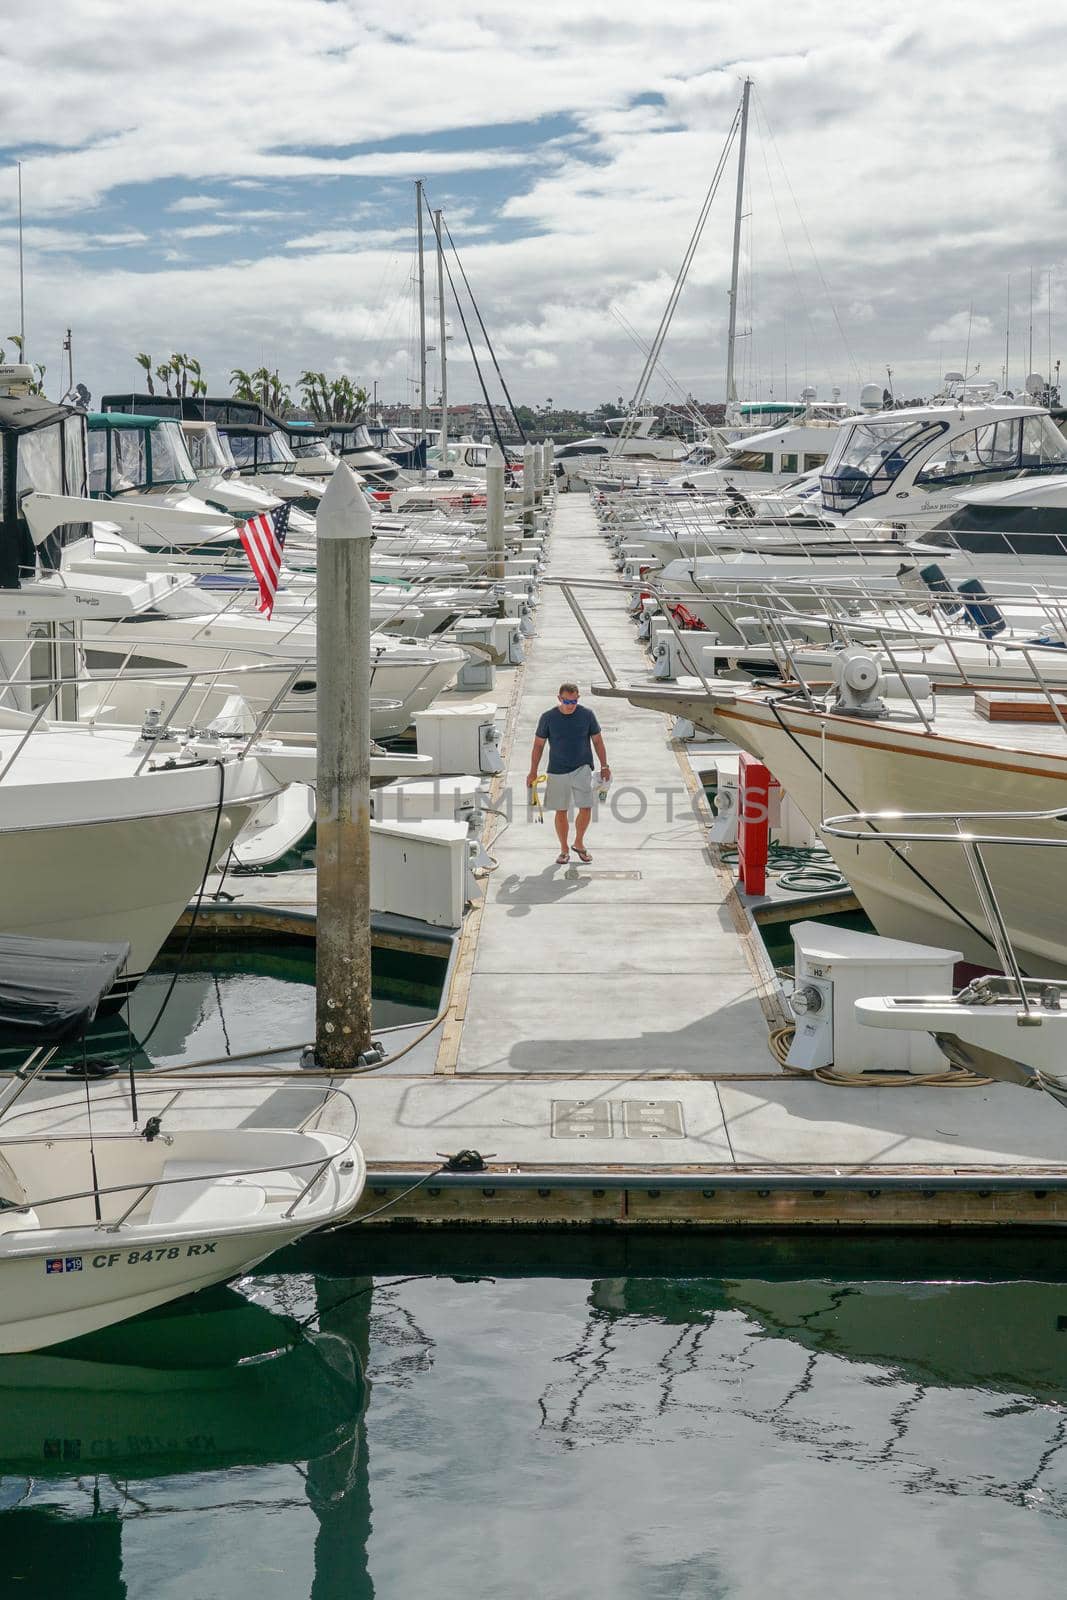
(196, 202)
(961, 326)
(207, 230)
(913, 214)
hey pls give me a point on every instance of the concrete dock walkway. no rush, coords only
(632, 965)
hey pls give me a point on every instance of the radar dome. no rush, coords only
(871, 397)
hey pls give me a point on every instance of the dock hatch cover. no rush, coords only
(633, 1119)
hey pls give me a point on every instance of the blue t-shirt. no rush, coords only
(568, 737)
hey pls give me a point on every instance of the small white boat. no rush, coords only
(106, 1214)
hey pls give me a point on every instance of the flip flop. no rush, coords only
(583, 856)
(563, 858)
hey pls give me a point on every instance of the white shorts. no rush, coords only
(565, 791)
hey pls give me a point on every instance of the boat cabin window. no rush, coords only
(40, 461)
(812, 463)
(209, 451)
(97, 449)
(1005, 530)
(1027, 444)
(170, 458)
(129, 459)
(310, 449)
(751, 461)
(243, 448)
(74, 456)
(788, 463)
(870, 457)
(476, 455)
(274, 447)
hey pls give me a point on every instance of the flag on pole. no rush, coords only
(263, 538)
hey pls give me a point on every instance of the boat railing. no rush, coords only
(140, 1189)
(948, 828)
(184, 680)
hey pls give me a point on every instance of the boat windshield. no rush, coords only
(1018, 444)
(170, 461)
(279, 450)
(870, 456)
(209, 451)
(348, 439)
(40, 461)
(311, 450)
(252, 450)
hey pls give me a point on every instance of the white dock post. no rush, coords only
(494, 511)
(343, 931)
(547, 479)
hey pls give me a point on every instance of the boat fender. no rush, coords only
(986, 617)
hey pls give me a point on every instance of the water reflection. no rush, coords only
(225, 1001)
(553, 1417)
(961, 1385)
(216, 1404)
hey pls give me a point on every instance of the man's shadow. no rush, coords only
(555, 884)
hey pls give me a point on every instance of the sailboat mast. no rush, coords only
(424, 419)
(438, 227)
(731, 337)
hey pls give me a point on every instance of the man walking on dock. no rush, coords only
(572, 733)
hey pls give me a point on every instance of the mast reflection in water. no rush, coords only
(675, 1418)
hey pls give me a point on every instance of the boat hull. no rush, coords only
(128, 878)
(924, 893)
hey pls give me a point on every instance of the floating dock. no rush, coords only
(605, 1040)
(605, 1046)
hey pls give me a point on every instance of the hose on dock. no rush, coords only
(803, 869)
(951, 1078)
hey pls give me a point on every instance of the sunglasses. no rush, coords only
(564, 701)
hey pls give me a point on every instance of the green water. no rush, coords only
(237, 997)
(481, 1416)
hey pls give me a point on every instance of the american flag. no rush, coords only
(263, 538)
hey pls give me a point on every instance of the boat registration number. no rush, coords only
(129, 1258)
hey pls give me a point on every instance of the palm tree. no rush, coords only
(272, 394)
(243, 386)
(145, 361)
(339, 400)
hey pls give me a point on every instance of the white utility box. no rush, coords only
(834, 968)
(428, 799)
(463, 738)
(685, 654)
(421, 869)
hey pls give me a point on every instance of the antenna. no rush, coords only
(22, 280)
(1048, 369)
(1030, 351)
(1007, 338)
(967, 352)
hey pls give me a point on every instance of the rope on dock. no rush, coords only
(951, 1078)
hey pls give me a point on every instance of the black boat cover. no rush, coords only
(50, 988)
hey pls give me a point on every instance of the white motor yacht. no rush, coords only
(641, 438)
(877, 742)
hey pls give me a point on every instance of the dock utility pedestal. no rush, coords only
(834, 968)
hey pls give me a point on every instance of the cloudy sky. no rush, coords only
(233, 178)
